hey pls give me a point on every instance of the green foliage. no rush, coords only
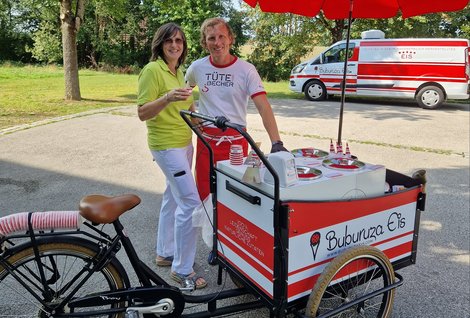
(13, 46)
(189, 14)
(43, 96)
(110, 37)
(47, 45)
(13, 38)
(279, 43)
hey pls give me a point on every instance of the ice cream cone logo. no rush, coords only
(315, 243)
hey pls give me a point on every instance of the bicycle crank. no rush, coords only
(164, 301)
(164, 307)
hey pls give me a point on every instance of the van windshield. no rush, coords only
(316, 61)
(337, 53)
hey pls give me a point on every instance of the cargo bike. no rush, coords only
(297, 254)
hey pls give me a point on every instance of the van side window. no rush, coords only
(337, 53)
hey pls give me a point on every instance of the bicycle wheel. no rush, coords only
(357, 272)
(65, 262)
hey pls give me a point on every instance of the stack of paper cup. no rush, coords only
(236, 155)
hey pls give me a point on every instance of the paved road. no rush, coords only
(50, 167)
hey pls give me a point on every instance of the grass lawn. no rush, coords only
(32, 93)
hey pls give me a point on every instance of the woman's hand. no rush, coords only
(178, 94)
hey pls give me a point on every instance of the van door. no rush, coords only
(331, 69)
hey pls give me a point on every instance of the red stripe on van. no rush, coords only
(339, 80)
(305, 76)
(416, 43)
(417, 79)
(411, 70)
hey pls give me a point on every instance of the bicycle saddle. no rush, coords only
(100, 209)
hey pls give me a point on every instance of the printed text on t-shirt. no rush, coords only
(219, 79)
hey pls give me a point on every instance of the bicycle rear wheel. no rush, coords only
(65, 262)
(357, 272)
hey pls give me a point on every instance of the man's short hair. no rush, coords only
(211, 22)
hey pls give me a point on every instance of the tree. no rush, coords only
(112, 38)
(335, 28)
(47, 43)
(189, 14)
(14, 36)
(44, 19)
(279, 42)
(71, 17)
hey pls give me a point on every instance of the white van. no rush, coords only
(428, 70)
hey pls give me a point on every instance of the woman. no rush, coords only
(161, 96)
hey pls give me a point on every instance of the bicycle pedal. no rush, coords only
(164, 306)
(187, 289)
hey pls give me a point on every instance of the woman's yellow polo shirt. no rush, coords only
(167, 129)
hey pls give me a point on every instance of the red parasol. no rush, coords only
(340, 9)
(349, 9)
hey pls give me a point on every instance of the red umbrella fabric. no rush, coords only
(339, 9)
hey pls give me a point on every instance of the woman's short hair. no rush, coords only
(163, 33)
(211, 22)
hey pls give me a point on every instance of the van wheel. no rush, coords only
(430, 97)
(315, 91)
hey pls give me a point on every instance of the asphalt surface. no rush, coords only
(51, 165)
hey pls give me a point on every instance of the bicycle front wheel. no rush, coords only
(64, 262)
(357, 272)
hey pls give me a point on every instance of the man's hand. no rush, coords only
(278, 146)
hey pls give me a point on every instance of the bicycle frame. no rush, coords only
(280, 298)
(152, 286)
(280, 214)
(279, 293)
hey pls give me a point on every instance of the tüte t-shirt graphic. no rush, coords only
(225, 90)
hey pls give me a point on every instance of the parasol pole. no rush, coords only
(343, 83)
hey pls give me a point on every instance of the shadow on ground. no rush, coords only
(25, 188)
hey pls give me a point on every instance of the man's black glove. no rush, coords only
(278, 146)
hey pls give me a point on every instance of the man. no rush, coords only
(225, 85)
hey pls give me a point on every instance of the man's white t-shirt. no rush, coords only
(225, 90)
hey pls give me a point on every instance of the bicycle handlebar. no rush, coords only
(219, 121)
(223, 123)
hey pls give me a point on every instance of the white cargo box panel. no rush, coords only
(332, 185)
(245, 231)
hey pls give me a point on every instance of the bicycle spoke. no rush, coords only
(69, 271)
(354, 274)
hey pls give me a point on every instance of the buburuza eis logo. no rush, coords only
(343, 236)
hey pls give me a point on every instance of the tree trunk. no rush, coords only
(69, 49)
(338, 30)
(335, 27)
